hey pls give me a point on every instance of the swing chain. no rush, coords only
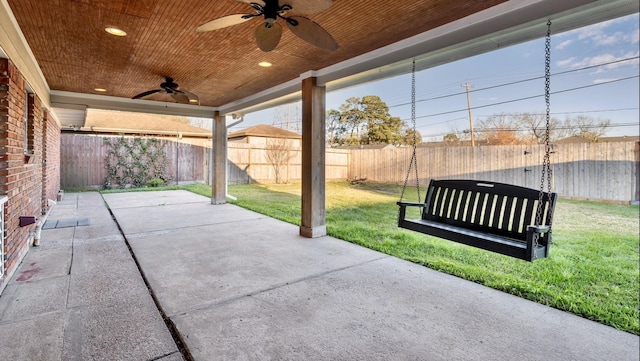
(547, 98)
(546, 163)
(414, 160)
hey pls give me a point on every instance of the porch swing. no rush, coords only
(507, 219)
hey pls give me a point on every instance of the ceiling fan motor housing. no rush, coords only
(169, 86)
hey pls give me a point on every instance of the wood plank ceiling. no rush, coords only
(75, 54)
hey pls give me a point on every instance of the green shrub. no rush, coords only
(155, 182)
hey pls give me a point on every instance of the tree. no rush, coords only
(408, 136)
(587, 127)
(352, 119)
(535, 126)
(334, 127)
(365, 120)
(527, 128)
(457, 136)
(385, 131)
(278, 152)
(382, 128)
(500, 129)
(451, 138)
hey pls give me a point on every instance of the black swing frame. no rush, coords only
(497, 217)
(493, 216)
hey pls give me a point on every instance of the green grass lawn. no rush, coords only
(592, 271)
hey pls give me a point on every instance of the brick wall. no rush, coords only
(23, 121)
(51, 156)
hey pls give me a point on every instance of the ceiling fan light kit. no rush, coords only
(172, 88)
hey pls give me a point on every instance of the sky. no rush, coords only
(594, 73)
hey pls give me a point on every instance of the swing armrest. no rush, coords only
(403, 209)
(538, 241)
(410, 204)
(539, 229)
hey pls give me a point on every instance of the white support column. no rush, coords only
(219, 161)
(313, 159)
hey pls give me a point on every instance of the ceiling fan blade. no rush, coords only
(180, 97)
(311, 32)
(192, 97)
(306, 6)
(259, 2)
(148, 92)
(224, 22)
(268, 36)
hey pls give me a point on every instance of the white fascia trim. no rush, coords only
(71, 100)
(284, 93)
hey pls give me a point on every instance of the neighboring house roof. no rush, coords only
(578, 139)
(366, 146)
(479, 142)
(107, 121)
(624, 138)
(265, 131)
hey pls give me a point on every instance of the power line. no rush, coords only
(530, 97)
(519, 81)
(557, 113)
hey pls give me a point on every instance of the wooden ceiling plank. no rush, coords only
(75, 54)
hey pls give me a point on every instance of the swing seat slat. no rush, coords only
(496, 217)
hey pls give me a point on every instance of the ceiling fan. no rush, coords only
(269, 32)
(172, 88)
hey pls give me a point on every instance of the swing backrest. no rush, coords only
(489, 207)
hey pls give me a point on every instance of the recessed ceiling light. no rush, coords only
(265, 64)
(193, 100)
(101, 90)
(115, 31)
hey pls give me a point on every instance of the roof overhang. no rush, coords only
(509, 23)
(72, 107)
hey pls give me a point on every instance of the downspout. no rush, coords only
(177, 157)
(41, 221)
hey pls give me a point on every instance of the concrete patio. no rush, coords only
(232, 284)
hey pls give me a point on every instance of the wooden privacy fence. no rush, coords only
(250, 163)
(601, 171)
(83, 162)
(82, 159)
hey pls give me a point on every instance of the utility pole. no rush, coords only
(468, 86)
(277, 120)
(288, 115)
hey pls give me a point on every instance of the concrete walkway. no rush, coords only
(80, 296)
(236, 285)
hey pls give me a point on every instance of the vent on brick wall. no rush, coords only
(27, 220)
